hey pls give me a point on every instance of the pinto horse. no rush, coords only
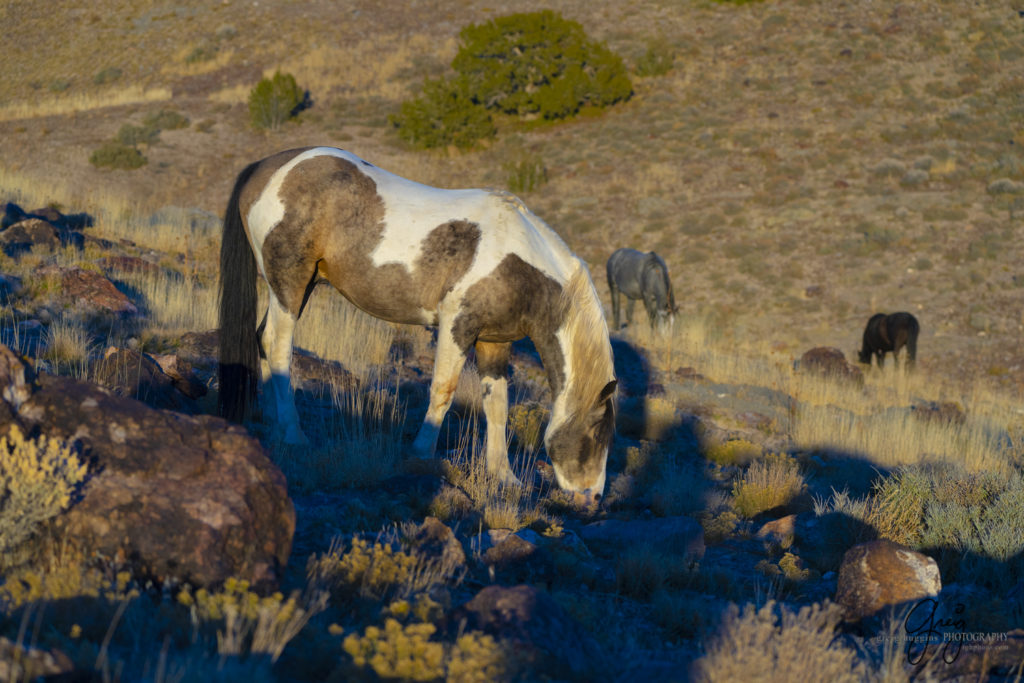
(892, 332)
(640, 276)
(475, 264)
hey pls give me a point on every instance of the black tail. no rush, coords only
(915, 329)
(239, 352)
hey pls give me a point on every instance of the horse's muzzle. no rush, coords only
(587, 500)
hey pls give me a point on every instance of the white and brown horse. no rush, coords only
(476, 264)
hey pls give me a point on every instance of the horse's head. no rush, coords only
(864, 355)
(578, 448)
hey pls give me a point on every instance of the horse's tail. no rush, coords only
(912, 332)
(239, 350)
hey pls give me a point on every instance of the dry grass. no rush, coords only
(82, 102)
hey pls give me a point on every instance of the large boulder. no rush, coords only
(880, 574)
(175, 497)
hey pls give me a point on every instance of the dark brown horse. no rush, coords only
(891, 332)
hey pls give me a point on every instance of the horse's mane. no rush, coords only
(587, 331)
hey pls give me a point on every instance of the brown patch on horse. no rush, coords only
(333, 221)
(492, 358)
(515, 300)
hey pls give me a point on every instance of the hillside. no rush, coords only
(801, 166)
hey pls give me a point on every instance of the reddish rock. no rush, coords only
(881, 573)
(172, 496)
(88, 288)
(830, 362)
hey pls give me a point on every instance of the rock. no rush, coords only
(830, 362)
(174, 497)
(137, 375)
(27, 235)
(182, 375)
(881, 573)
(435, 539)
(16, 377)
(537, 627)
(80, 287)
(780, 532)
(509, 550)
(681, 535)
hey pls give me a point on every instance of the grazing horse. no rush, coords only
(892, 332)
(476, 264)
(641, 276)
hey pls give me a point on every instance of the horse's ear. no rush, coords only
(608, 390)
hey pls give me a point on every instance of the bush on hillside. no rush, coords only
(445, 114)
(535, 65)
(274, 100)
(115, 154)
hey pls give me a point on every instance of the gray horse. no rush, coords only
(641, 276)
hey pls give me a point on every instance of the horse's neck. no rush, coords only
(576, 353)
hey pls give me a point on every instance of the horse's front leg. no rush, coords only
(448, 362)
(278, 330)
(492, 362)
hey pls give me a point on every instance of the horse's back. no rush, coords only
(393, 246)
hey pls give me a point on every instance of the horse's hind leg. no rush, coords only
(277, 344)
(448, 362)
(492, 362)
(629, 311)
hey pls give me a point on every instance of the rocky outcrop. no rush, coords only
(881, 573)
(175, 497)
(47, 229)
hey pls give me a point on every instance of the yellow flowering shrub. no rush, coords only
(406, 652)
(374, 571)
(37, 478)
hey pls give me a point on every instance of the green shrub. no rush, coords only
(539, 64)
(37, 479)
(117, 155)
(445, 114)
(274, 100)
(532, 65)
